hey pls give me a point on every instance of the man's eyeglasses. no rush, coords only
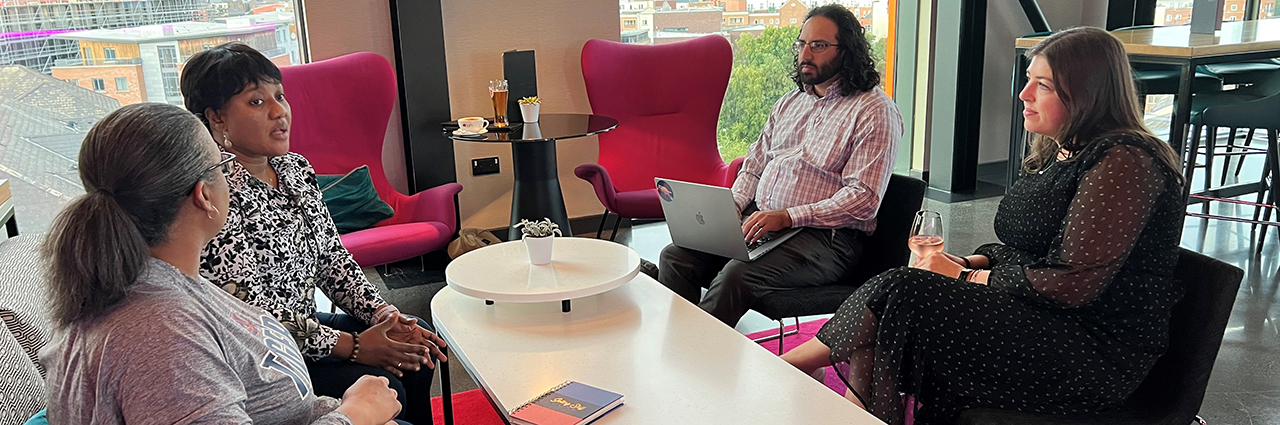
(224, 163)
(814, 46)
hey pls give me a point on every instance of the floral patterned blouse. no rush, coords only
(279, 245)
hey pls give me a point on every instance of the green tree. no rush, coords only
(761, 74)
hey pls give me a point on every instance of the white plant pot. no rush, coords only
(539, 249)
(529, 112)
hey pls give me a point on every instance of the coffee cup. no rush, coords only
(473, 124)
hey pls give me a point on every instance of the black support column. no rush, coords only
(418, 31)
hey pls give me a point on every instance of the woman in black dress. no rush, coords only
(1071, 310)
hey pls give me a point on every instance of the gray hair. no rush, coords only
(137, 164)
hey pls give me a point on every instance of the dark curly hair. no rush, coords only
(857, 69)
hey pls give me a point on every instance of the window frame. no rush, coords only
(119, 81)
(99, 85)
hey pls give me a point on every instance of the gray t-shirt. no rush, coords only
(179, 350)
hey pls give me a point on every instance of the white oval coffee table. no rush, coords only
(580, 267)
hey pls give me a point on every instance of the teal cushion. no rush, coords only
(353, 203)
(38, 419)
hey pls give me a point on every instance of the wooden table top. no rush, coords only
(1178, 41)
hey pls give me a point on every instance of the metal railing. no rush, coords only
(97, 62)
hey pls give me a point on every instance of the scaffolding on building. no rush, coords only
(27, 26)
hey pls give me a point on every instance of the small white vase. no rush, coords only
(529, 112)
(539, 249)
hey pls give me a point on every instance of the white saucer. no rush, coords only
(461, 132)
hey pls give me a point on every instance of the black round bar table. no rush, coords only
(537, 192)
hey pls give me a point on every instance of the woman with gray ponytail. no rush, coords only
(140, 336)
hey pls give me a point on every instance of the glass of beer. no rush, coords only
(498, 93)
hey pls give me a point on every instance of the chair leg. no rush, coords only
(1226, 160)
(604, 217)
(781, 335)
(1248, 137)
(1192, 149)
(1273, 164)
(1212, 141)
(616, 224)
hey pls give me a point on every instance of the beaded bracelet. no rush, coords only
(355, 346)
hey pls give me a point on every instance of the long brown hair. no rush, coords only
(1092, 77)
(136, 164)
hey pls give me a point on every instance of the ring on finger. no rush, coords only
(399, 364)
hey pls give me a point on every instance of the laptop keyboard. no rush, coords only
(751, 246)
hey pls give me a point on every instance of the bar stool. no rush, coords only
(1257, 113)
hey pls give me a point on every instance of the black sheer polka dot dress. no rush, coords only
(1074, 314)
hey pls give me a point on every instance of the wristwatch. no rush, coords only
(964, 274)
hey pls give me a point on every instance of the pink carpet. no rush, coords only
(807, 331)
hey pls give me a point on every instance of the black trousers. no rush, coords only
(332, 376)
(813, 257)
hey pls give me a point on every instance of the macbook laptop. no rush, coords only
(704, 218)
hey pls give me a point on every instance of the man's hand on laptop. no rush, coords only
(763, 222)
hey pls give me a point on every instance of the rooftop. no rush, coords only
(174, 31)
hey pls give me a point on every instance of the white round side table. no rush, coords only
(580, 267)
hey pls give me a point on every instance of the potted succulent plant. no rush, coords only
(538, 237)
(529, 108)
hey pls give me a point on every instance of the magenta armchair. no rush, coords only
(666, 99)
(340, 111)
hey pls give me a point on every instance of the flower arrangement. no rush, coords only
(531, 100)
(538, 229)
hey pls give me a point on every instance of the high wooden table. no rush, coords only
(1237, 41)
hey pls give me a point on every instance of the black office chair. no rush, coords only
(1172, 392)
(883, 250)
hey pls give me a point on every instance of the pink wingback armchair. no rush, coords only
(340, 111)
(666, 99)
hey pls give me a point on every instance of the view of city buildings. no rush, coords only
(1178, 12)
(65, 64)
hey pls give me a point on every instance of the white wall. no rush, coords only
(1005, 23)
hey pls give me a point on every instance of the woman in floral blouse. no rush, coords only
(280, 243)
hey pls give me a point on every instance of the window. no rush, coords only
(629, 23)
(1234, 8)
(81, 80)
(793, 20)
(763, 60)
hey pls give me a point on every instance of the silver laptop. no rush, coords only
(704, 218)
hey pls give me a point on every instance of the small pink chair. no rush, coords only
(340, 111)
(666, 99)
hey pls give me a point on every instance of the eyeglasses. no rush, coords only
(225, 163)
(814, 46)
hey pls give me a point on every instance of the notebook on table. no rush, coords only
(570, 403)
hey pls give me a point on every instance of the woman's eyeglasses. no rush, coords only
(814, 46)
(224, 163)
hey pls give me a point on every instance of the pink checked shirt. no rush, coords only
(825, 160)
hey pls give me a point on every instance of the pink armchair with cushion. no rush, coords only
(341, 107)
(667, 101)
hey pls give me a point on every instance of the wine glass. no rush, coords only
(926, 234)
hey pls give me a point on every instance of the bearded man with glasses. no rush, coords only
(822, 164)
